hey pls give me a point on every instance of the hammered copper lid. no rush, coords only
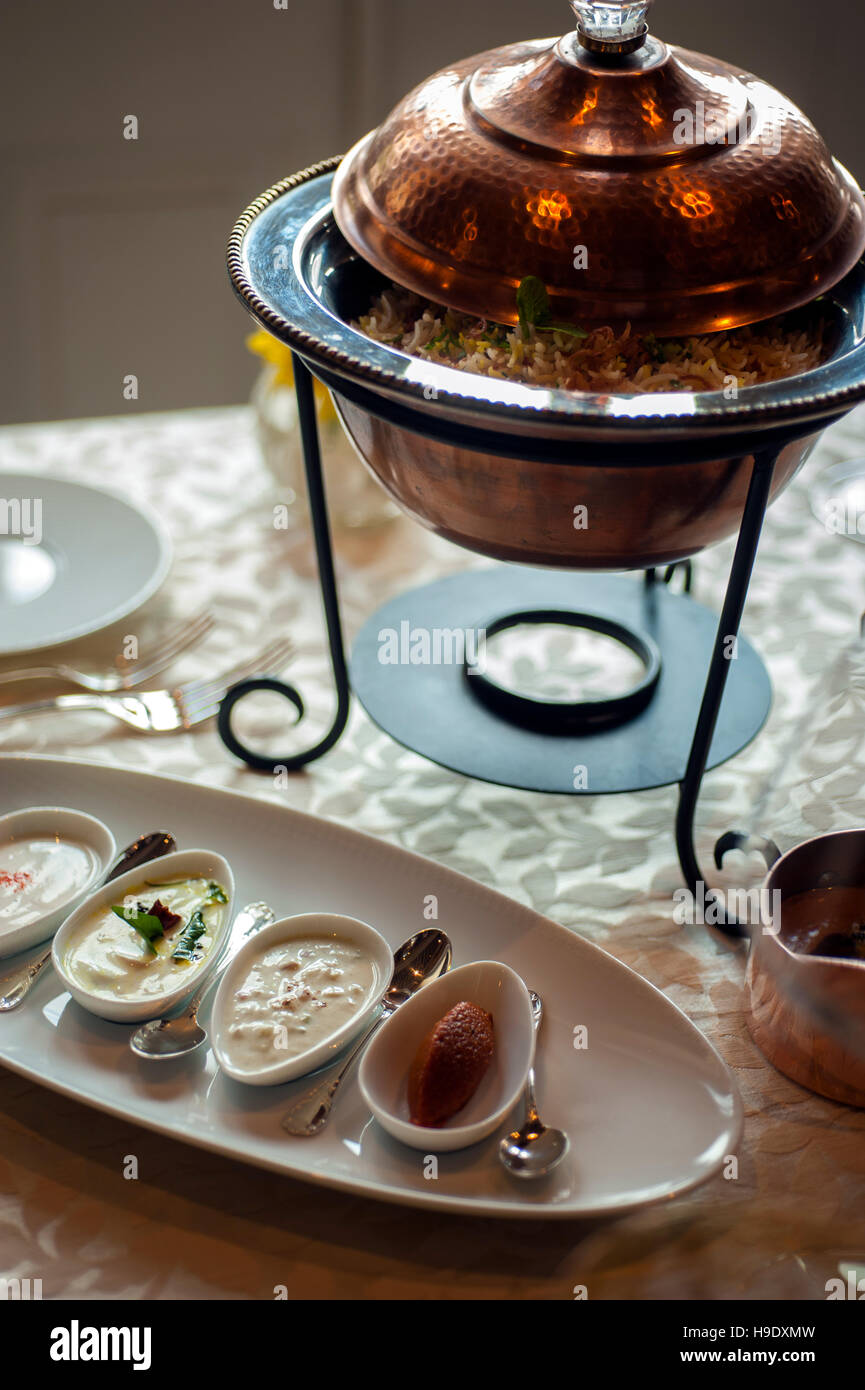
(640, 182)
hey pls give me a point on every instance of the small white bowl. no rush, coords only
(185, 863)
(384, 1070)
(49, 823)
(324, 924)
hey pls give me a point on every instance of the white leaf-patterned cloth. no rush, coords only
(193, 1225)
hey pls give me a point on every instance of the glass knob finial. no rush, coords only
(611, 23)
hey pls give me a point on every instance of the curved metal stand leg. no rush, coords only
(324, 555)
(716, 680)
(650, 576)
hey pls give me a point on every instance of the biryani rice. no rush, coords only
(603, 361)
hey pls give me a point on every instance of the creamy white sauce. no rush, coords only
(108, 957)
(294, 996)
(38, 876)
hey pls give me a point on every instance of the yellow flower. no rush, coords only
(278, 356)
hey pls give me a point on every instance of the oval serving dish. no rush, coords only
(183, 864)
(290, 929)
(384, 1070)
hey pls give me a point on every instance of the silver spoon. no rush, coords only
(14, 988)
(534, 1150)
(422, 958)
(172, 1037)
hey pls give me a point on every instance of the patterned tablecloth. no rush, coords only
(196, 1225)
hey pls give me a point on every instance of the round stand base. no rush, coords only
(430, 708)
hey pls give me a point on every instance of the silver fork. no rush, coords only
(128, 673)
(160, 711)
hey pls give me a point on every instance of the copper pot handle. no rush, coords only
(609, 28)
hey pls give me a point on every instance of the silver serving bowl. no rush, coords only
(498, 466)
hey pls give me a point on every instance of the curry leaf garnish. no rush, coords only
(140, 920)
(185, 948)
(533, 308)
(216, 893)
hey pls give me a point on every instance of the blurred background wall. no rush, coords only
(112, 250)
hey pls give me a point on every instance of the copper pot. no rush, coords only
(491, 171)
(524, 510)
(807, 1013)
(503, 165)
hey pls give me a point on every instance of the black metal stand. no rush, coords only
(560, 717)
(719, 668)
(723, 652)
(292, 762)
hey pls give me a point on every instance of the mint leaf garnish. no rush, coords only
(533, 307)
(533, 303)
(571, 328)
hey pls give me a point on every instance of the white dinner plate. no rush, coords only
(650, 1108)
(73, 559)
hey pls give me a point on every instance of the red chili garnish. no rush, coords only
(167, 919)
(15, 879)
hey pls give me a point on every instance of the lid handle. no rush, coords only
(611, 28)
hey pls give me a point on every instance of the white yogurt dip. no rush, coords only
(110, 957)
(39, 875)
(294, 996)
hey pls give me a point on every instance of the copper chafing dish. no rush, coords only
(703, 199)
(495, 169)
